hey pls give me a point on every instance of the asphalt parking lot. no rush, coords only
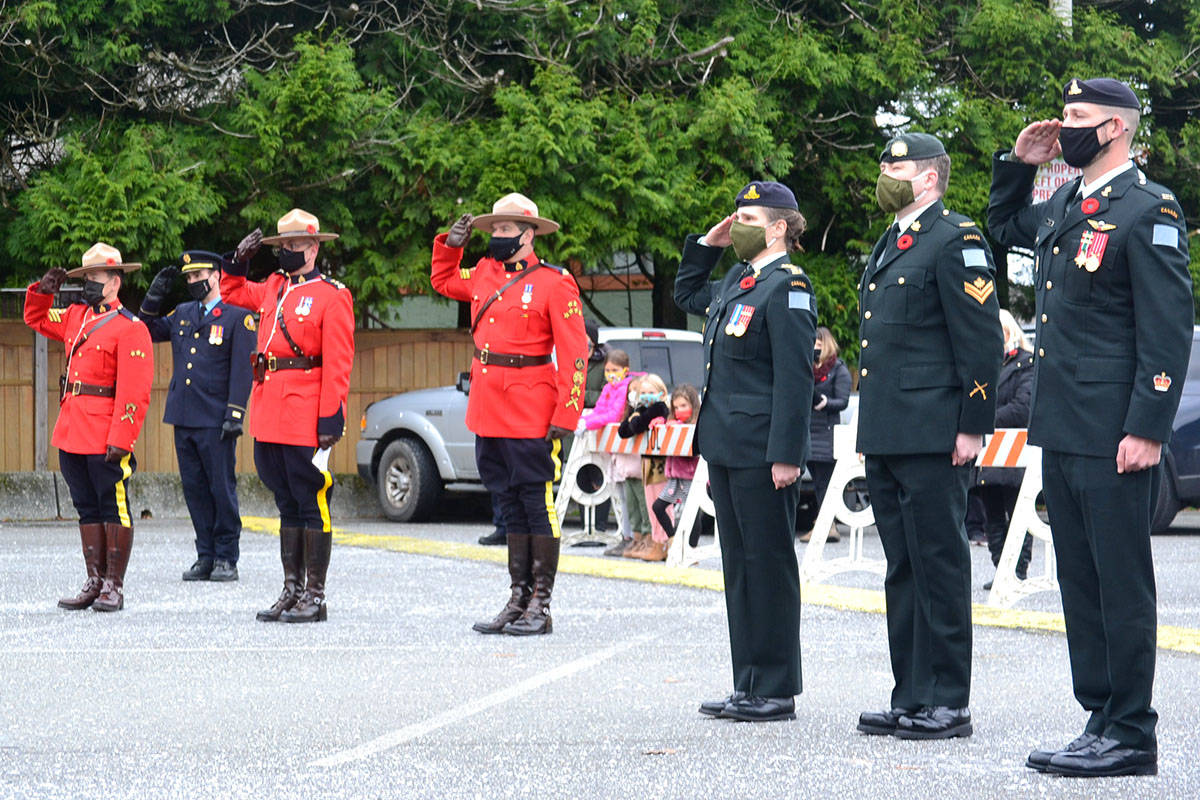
(184, 694)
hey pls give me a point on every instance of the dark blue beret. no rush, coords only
(912, 147)
(767, 193)
(1102, 92)
(200, 259)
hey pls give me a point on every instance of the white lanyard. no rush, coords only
(82, 325)
(278, 313)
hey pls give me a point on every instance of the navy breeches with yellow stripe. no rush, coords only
(301, 490)
(520, 474)
(99, 489)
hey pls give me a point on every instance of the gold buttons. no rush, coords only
(708, 365)
(864, 343)
(866, 315)
(193, 349)
(1049, 284)
(491, 319)
(188, 381)
(189, 365)
(1045, 318)
(863, 372)
(484, 370)
(870, 287)
(1055, 250)
(901, 281)
(1041, 352)
(196, 335)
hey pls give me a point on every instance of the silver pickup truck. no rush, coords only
(415, 445)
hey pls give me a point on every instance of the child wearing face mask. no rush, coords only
(650, 410)
(612, 407)
(685, 403)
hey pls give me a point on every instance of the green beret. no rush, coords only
(912, 147)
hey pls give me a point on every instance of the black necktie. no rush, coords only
(893, 234)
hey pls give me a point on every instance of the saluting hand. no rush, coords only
(1038, 142)
(966, 448)
(52, 281)
(248, 246)
(718, 235)
(784, 475)
(460, 231)
(1135, 454)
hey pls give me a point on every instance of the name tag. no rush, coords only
(1166, 236)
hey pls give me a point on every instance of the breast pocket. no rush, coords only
(906, 296)
(1082, 281)
(743, 343)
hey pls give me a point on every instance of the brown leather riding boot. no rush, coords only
(119, 541)
(536, 619)
(521, 576)
(94, 560)
(311, 605)
(291, 554)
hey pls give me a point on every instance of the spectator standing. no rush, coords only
(831, 395)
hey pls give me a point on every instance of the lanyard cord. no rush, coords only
(79, 333)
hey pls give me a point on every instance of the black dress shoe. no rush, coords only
(882, 723)
(1040, 759)
(713, 708)
(935, 722)
(761, 709)
(223, 571)
(1104, 758)
(495, 537)
(200, 570)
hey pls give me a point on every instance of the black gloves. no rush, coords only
(230, 429)
(52, 281)
(160, 287)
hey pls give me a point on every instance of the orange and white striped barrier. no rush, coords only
(661, 440)
(1006, 448)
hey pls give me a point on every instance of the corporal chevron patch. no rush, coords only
(979, 289)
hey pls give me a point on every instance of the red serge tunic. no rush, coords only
(532, 317)
(117, 352)
(289, 405)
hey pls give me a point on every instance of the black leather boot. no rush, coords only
(91, 535)
(311, 605)
(536, 619)
(119, 542)
(520, 573)
(291, 553)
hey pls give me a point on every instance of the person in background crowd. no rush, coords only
(649, 411)
(610, 408)
(685, 405)
(527, 389)
(298, 402)
(1114, 330)
(996, 487)
(103, 395)
(760, 323)
(211, 342)
(831, 395)
(629, 470)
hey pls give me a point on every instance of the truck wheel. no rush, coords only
(409, 483)
(1168, 502)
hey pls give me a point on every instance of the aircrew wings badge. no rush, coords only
(979, 290)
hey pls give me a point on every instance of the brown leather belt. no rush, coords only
(265, 362)
(490, 358)
(79, 387)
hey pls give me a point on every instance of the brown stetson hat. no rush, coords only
(297, 224)
(102, 256)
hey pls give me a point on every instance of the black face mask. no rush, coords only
(198, 290)
(503, 248)
(93, 292)
(290, 260)
(1081, 146)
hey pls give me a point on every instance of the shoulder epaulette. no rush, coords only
(792, 268)
(334, 282)
(127, 314)
(554, 267)
(171, 313)
(956, 219)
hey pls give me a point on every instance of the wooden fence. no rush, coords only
(385, 362)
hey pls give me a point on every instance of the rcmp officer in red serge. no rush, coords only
(753, 427)
(931, 348)
(298, 401)
(105, 392)
(523, 399)
(1114, 329)
(211, 343)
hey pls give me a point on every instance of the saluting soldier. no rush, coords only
(760, 325)
(211, 343)
(527, 389)
(1114, 330)
(103, 395)
(298, 401)
(930, 354)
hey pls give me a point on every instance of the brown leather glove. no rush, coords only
(52, 281)
(460, 231)
(556, 432)
(114, 454)
(246, 249)
(327, 440)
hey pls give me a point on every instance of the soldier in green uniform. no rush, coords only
(1114, 329)
(931, 348)
(760, 324)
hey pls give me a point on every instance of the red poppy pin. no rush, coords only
(747, 282)
(904, 242)
(1090, 205)
(216, 312)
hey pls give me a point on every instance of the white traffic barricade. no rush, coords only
(587, 481)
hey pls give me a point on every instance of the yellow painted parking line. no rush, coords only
(845, 598)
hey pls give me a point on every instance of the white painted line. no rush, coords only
(409, 732)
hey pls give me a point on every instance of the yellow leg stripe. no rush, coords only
(122, 501)
(556, 457)
(323, 502)
(551, 513)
